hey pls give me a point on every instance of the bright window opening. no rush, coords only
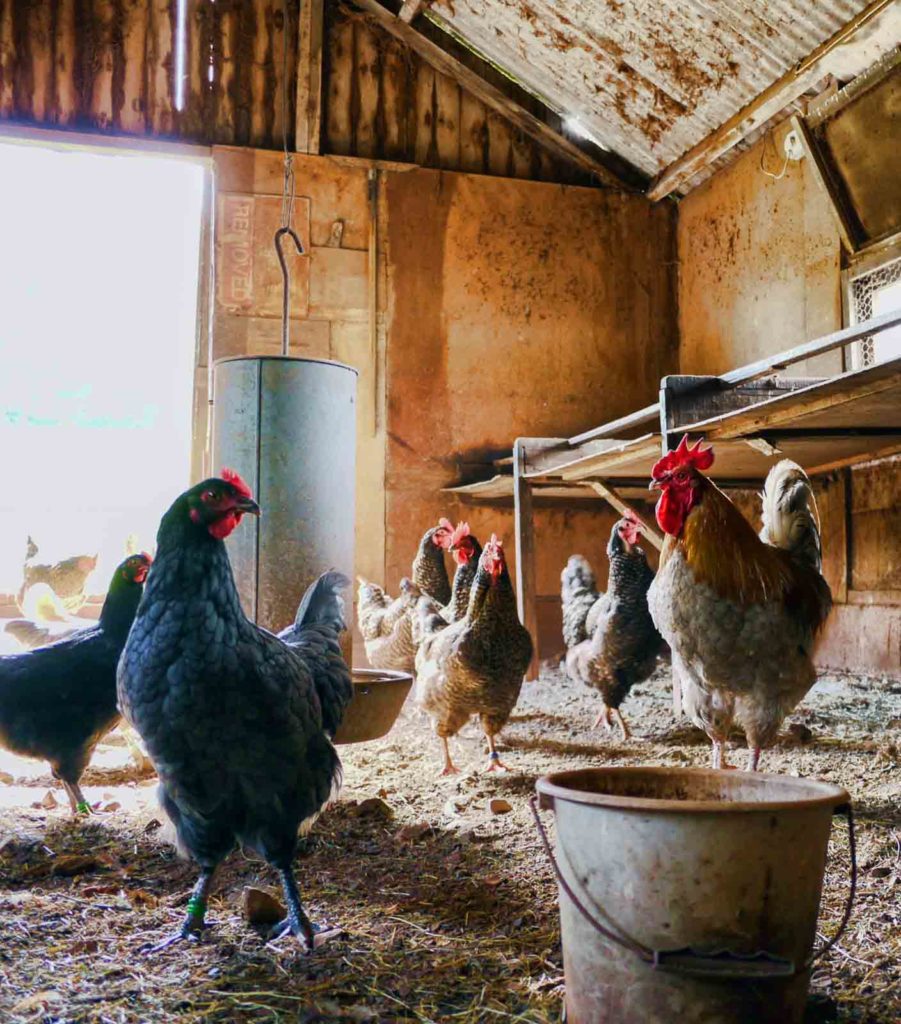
(98, 312)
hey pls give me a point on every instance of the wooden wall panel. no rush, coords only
(384, 102)
(110, 66)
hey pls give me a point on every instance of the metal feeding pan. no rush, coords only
(378, 697)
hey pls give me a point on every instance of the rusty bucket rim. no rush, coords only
(554, 787)
(284, 359)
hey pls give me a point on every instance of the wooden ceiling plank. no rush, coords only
(309, 77)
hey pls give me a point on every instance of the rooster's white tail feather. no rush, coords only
(790, 517)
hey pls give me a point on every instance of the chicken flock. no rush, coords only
(239, 722)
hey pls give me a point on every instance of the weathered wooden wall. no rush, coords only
(515, 308)
(382, 100)
(759, 271)
(109, 66)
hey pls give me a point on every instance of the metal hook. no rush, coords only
(277, 241)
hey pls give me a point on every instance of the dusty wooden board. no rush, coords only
(249, 276)
(339, 284)
(262, 336)
(309, 77)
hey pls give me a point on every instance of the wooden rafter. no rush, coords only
(756, 113)
(490, 95)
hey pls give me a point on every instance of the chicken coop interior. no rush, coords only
(451, 553)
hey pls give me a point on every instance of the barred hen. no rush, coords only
(429, 569)
(474, 666)
(741, 613)
(57, 702)
(386, 625)
(466, 551)
(623, 648)
(579, 597)
(237, 722)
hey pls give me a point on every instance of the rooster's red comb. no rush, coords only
(231, 476)
(684, 455)
(461, 530)
(146, 557)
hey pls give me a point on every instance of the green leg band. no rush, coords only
(196, 907)
(83, 807)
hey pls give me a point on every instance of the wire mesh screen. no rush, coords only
(864, 289)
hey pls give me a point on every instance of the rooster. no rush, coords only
(58, 701)
(466, 551)
(237, 722)
(623, 647)
(476, 665)
(741, 613)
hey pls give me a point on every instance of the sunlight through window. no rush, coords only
(98, 307)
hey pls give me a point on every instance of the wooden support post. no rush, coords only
(610, 495)
(309, 77)
(525, 552)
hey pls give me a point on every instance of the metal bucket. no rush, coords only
(288, 426)
(689, 895)
(377, 700)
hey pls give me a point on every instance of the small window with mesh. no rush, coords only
(872, 294)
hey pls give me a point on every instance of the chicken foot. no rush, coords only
(607, 716)
(194, 922)
(297, 923)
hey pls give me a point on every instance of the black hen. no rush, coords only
(58, 701)
(235, 720)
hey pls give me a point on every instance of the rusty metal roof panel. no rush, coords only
(647, 79)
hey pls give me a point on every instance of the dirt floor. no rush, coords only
(449, 908)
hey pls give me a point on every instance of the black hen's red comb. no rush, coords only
(684, 455)
(231, 476)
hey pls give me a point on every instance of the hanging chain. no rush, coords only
(288, 192)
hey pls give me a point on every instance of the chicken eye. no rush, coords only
(208, 496)
(682, 476)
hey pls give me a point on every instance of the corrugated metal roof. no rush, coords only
(648, 79)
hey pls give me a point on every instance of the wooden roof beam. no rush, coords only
(491, 96)
(756, 113)
(410, 9)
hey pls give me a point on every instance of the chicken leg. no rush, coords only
(297, 923)
(194, 922)
(77, 800)
(495, 764)
(449, 767)
(718, 755)
(753, 758)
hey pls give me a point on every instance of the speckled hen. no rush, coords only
(474, 666)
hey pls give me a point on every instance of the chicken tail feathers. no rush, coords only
(790, 517)
(28, 633)
(323, 603)
(577, 577)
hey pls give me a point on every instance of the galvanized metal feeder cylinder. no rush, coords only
(288, 426)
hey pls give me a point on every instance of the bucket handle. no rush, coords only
(720, 963)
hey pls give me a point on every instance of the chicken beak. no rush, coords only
(247, 506)
(655, 485)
